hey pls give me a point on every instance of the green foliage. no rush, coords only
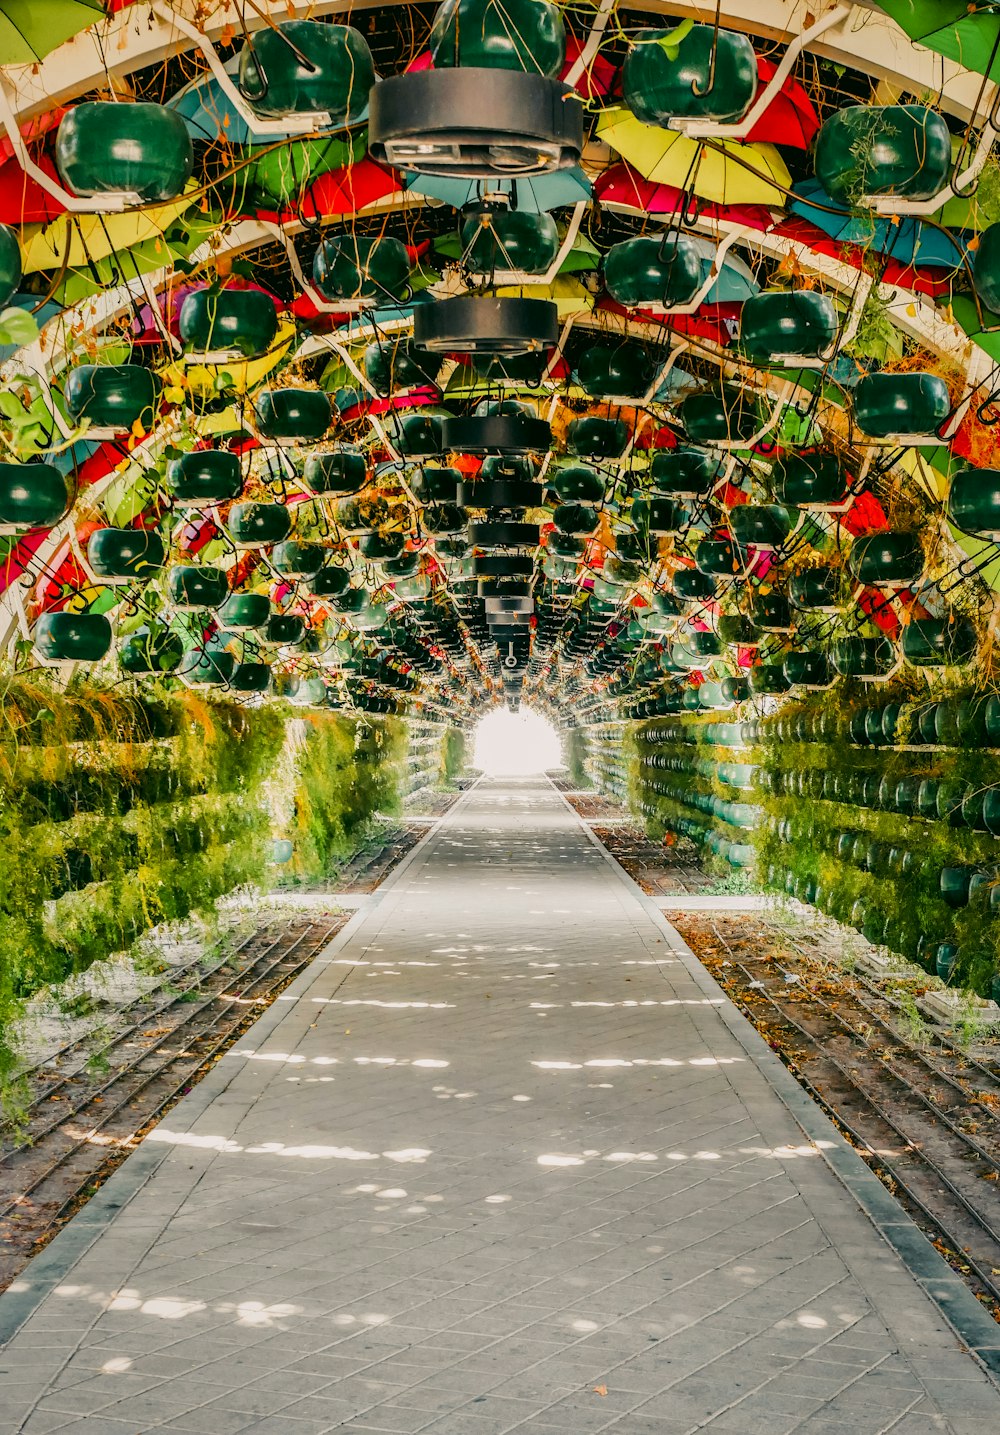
(348, 771)
(119, 812)
(453, 756)
(576, 757)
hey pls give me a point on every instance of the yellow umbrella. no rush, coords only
(566, 292)
(243, 374)
(722, 171)
(95, 236)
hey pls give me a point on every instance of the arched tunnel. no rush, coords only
(500, 532)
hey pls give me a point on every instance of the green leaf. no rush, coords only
(17, 326)
(671, 41)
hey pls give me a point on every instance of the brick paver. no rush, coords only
(500, 1166)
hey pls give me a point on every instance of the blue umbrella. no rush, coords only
(534, 196)
(210, 115)
(734, 282)
(908, 241)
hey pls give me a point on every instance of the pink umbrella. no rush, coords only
(624, 186)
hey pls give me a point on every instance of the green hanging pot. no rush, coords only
(328, 582)
(293, 559)
(307, 692)
(954, 885)
(788, 324)
(986, 268)
(307, 67)
(718, 556)
(227, 321)
(125, 555)
(434, 484)
(768, 678)
(286, 630)
(658, 515)
(886, 405)
(816, 588)
(576, 518)
(692, 585)
(695, 649)
(526, 35)
(293, 415)
(902, 150)
(683, 472)
(709, 73)
(353, 267)
(32, 495)
(242, 611)
(862, 657)
(771, 612)
(10, 265)
(886, 559)
(72, 637)
(252, 525)
(113, 397)
(380, 544)
(420, 434)
(760, 525)
(726, 416)
(445, 518)
(808, 669)
(250, 678)
(205, 477)
(341, 470)
(495, 240)
(593, 437)
(195, 587)
(208, 668)
(577, 483)
(810, 481)
(151, 650)
(623, 370)
(399, 364)
(653, 273)
(939, 642)
(974, 501)
(735, 629)
(106, 147)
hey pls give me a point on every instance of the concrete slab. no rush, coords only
(503, 1159)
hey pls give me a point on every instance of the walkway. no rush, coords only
(503, 1160)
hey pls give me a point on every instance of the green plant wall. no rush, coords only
(117, 813)
(878, 805)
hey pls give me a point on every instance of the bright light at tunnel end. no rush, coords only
(516, 744)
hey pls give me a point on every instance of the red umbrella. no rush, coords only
(594, 83)
(790, 118)
(932, 281)
(341, 191)
(623, 186)
(22, 199)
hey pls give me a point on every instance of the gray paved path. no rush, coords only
(497, 1163)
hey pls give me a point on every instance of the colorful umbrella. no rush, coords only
(952, 28)
(734, 283)
(725, 172)
(906, 240)
(32, 29)
(536, 196)
(210, 115)
(790, 118)
(985, 332)
(76, 239)
(623, 187)
(340, 191)
(922, 281)
(22, 199)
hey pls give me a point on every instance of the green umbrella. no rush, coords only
(32, 29)
(951, 28)
(985, 335)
